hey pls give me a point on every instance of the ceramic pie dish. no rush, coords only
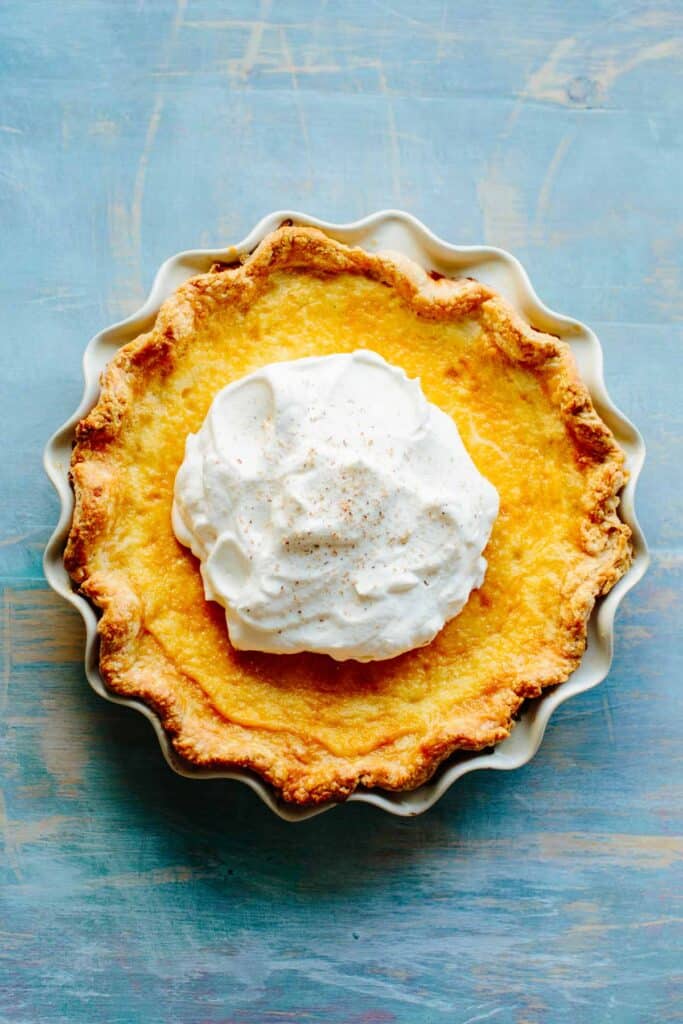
(146, 664)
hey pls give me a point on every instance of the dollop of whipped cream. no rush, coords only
(333, 509)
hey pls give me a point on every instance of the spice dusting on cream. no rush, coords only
(333, 509)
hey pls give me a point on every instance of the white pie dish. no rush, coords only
(388, 230)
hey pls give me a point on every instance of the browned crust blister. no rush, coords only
(133, 665)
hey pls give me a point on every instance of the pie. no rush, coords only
(315, 728)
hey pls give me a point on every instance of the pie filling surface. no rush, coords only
(314, 727)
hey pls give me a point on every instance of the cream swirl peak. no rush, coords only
(333, 509)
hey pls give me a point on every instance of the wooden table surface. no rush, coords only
(131, 130)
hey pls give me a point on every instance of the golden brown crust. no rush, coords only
(134, 664)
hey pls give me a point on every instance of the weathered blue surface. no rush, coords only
(130, 130)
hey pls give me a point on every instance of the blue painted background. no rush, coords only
(131, 130)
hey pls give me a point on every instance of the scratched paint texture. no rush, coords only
(132, 130)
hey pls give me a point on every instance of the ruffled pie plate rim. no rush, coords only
(401, 232)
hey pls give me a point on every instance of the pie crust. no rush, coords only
(314, 728)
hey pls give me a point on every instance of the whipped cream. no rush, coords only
(333, 509)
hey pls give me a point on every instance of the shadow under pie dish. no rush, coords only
(314, 728)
